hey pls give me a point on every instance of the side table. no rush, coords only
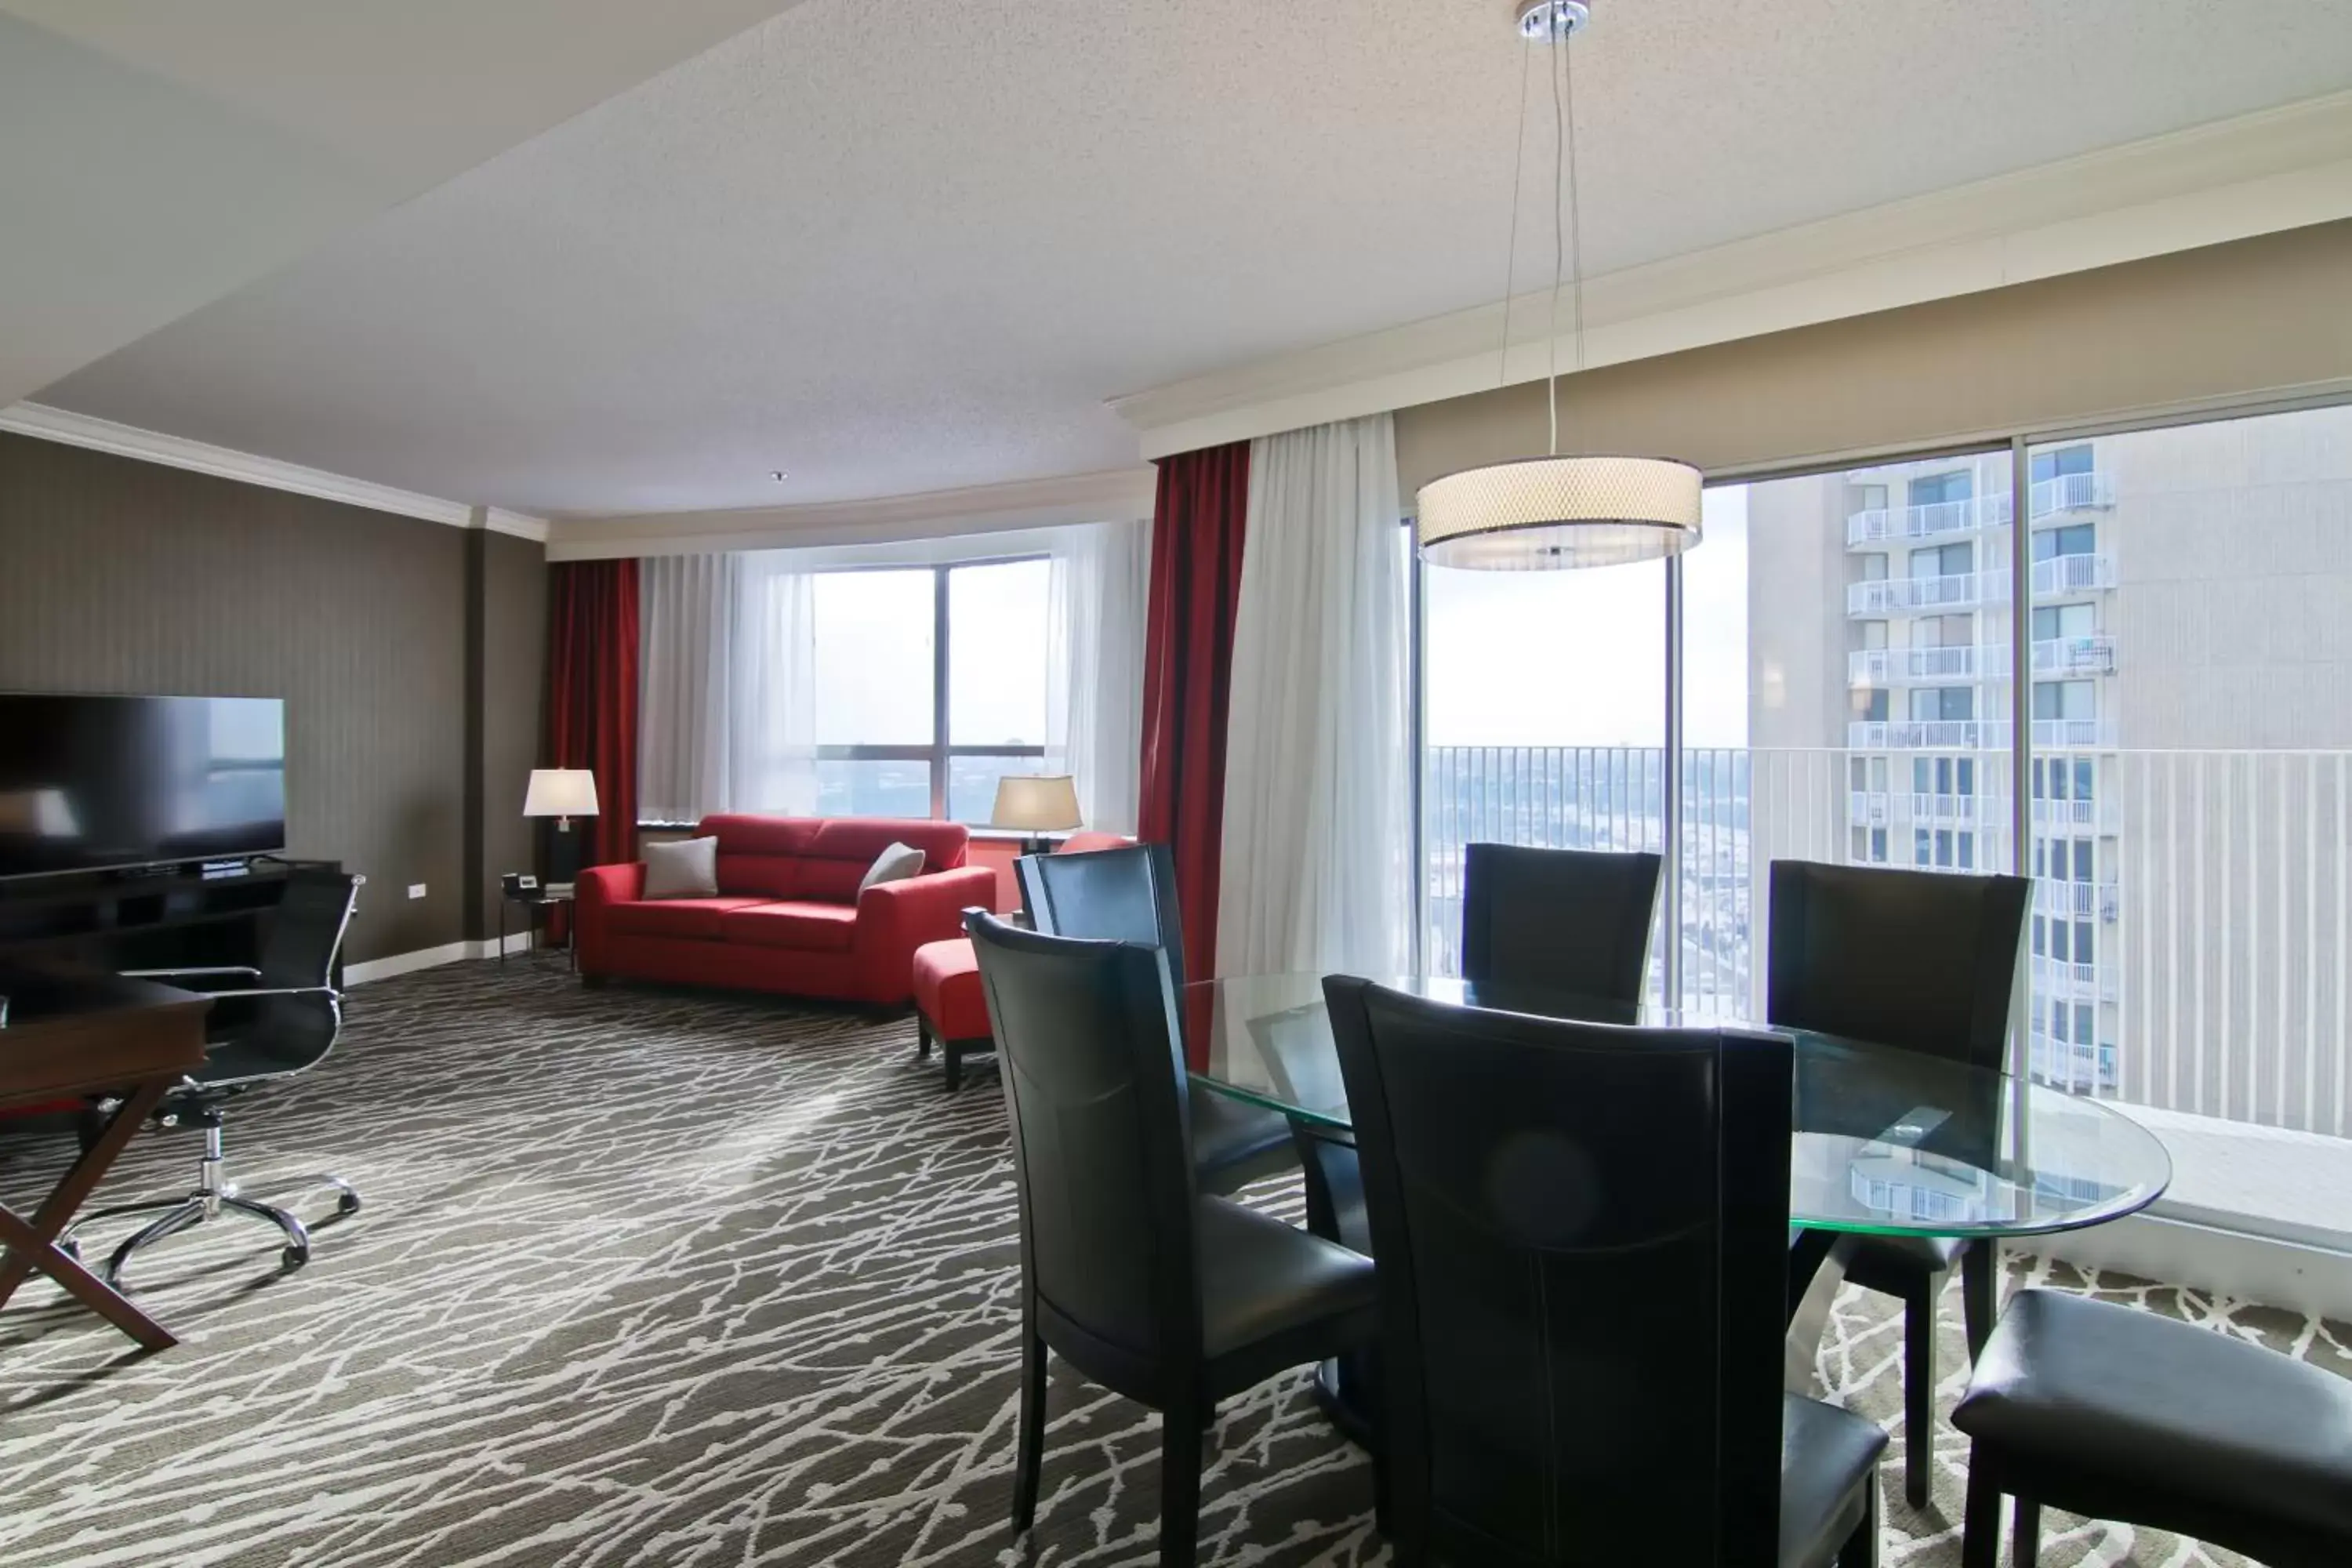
(537, 908)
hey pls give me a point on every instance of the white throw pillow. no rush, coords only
(687, 869)
(895, 864)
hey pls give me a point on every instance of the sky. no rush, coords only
(1577, 659)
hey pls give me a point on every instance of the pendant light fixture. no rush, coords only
(1557, 512)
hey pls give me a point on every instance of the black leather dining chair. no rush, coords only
(1582, 1235)
(2112, 1413)
(1567, 919)
(1128, 894)
(1175, 1300)
(1926, 960)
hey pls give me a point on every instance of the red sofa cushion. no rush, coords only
(697, 918)
(801, 924)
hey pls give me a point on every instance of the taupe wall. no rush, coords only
(117, 575)
(2248, 319)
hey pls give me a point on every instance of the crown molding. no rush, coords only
(44, 423)
(2234, 179)
(1111, 495)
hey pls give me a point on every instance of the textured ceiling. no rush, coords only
(155, 155)
(896, 250)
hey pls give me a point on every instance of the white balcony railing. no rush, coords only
(2224, 902)
(1976, 734)
(2058, 577)
(2046, 498)
(2092, 655)
(1958, 810)
(2077, 900)
(2101, 815)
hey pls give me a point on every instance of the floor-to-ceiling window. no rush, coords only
(1849, 690)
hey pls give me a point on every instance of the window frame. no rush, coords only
(939, 752)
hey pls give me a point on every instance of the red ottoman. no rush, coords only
(950, 1006)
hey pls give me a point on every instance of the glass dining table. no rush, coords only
(1886, 1141)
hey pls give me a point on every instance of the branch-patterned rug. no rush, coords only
(663, 1279)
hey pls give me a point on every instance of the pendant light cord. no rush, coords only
(1511, 252)
(1559, 172)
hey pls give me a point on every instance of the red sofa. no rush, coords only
(788, 917)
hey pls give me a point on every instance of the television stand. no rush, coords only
(145, 918)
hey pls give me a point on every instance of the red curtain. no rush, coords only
(1198, 521)
(591, 709)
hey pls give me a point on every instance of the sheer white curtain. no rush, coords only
(1318, 839)
(772, 761)
(1093, 667)
(686, 615)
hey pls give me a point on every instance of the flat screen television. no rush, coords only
(95, 783)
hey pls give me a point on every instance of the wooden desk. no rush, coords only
(76, 1033)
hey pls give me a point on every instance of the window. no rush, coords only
(908, 725)
(1870, 706)
(2065, 699)
(1957, 484)
(1874, 634)
(1945, 631)
(2054, 621)
(1871, 567)
(1870, 497)
(1943, 561)
(2074, 539)
(2086, 773)
(1933, 703)
(2065, 460)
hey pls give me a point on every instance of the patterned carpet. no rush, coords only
(651, 1278)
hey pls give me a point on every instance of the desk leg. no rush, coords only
(1817, 1263)
(27, 1246)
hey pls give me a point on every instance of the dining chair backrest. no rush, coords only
(1128, 894)
(1567, 919)
(1101, 1147)
(1582, 1239)
(1926, 960)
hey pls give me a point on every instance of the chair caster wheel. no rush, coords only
(293, 1257)
(348, 1204)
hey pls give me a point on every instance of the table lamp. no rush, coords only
(1036, 803)
(561, 793)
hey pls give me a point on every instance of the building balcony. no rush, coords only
(2061, 981)
(2077, 900)
(1869, 808)
(1976, 734)
(2058, 577)
(2103, 816)
(1958, 810)
(2046, 498)
(2094, 655)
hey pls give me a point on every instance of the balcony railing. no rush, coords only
(2092, 655)
(1958, 810)
(2078, 900)
(2046, 498)
(1976, 734)
(2225, 906)
(2102, 815)
(2058, 577)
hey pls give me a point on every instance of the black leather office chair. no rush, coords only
(1128, 894)
(1926, 961)
(1174, 1300)
(265, 1023)
(1569, 919)
(2117, 1414)
(1582, 1234)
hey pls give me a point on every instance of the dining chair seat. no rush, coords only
(1272, 1296)
(2112, 1413)
(1828, 1463)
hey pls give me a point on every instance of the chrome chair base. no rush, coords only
(211, 1199)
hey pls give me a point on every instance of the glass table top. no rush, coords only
(1887, 1142)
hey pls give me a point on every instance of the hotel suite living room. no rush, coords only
(1468, 782)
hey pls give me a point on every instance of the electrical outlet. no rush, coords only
(416, 889)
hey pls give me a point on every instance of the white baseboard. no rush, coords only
(430, 957)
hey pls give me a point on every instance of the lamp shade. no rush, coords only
(1035, 803)
(1543, 514)
(561, 792)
